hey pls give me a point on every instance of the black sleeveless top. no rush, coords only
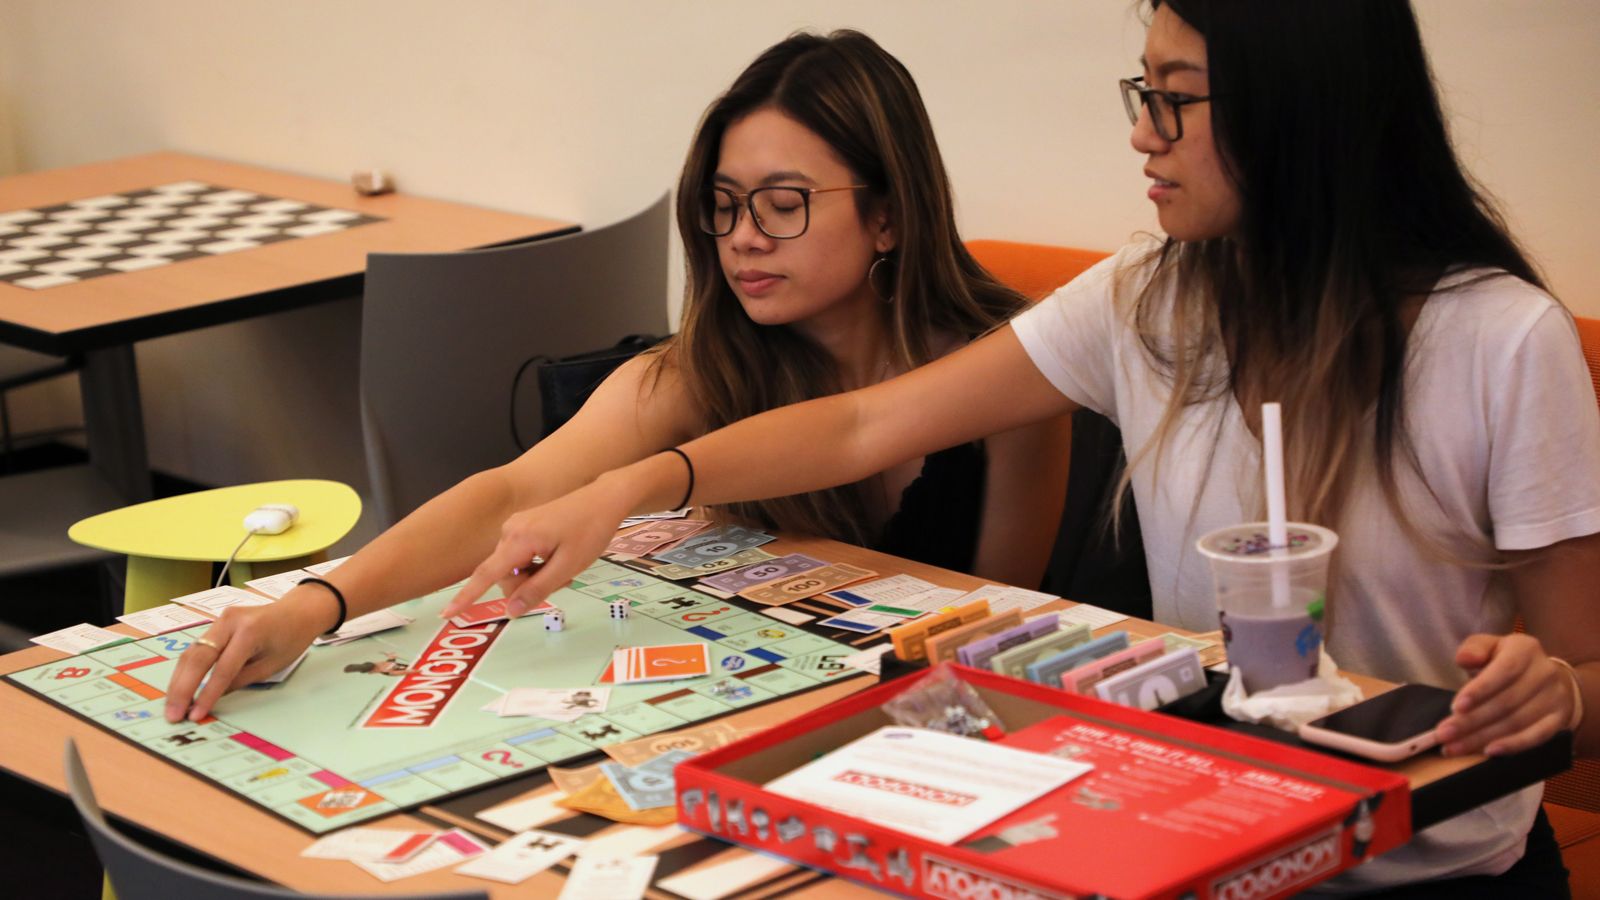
(940, 511)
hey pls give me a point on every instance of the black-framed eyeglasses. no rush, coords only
(780, 212)
(1166, 107)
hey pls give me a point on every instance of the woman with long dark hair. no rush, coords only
(1323, 248)
(823, 256)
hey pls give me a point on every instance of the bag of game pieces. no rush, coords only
(941, 701)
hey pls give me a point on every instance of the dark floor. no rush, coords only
(43, 849)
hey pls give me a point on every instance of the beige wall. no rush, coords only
(583, 110)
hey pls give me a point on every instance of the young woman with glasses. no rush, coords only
(1323, 248)
(823, 256)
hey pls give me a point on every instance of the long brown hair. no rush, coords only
(864, 104)
(1354, 206)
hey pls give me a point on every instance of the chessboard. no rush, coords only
(157, 226)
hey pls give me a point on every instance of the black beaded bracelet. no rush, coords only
(337, 595)
(688, 491)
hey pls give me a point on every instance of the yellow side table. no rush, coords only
(172, 543)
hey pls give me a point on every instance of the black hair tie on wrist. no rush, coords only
(688, 491)
(337, 595)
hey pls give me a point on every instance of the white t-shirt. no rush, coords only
(1501, 412)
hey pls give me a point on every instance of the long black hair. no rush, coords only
(864, 104)
(1353, 206)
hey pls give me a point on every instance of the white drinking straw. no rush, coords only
(1277, 515)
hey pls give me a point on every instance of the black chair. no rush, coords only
(137, 872)
(20, 368)
(1090, 564)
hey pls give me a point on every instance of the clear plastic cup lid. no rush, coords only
(1242, 542)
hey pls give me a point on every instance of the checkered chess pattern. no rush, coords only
(71, 242)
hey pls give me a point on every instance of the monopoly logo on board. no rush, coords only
(437, 676)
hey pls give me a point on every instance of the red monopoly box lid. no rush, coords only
(1172, 808)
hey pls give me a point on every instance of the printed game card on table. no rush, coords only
(889, 590)
(164, 618)
(448, 849)
(1095, 617)
(522, 856)
(662, 663)
(605, 878)
(556, 704)
(80, 638)
(1004, 597)
(214, 601)
(371, 844)
(937, 786)
(361, 626)
(491, 610)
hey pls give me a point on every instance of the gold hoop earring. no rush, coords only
(872, 279)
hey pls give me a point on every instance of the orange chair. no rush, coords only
(1087, 563)
(1033, 269)
(1572, 799)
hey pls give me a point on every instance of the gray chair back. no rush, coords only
(137, 872)
(443, 335)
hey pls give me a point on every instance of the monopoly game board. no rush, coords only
(397, 719)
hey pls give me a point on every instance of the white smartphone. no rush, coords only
(1390, 727)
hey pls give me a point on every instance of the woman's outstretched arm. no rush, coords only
(988, 387)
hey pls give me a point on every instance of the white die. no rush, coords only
(554, 620)
(619, 609)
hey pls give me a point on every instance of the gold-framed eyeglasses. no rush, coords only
(1166, 107)
(779, 212)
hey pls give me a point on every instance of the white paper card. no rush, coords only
(931, 600)
(214, 601)
(889, 590)
(164, 618)
(322, 569)
(926, 783)
(522, 856)
(560, 704)
(792, 616)
(361, 626)
(1003, 598)
(275, 586)
(360, 843)
(1093, 616)
(525, 814)
(448, 849)
(724, 878)
(868, 660)
(79, 638)
(630, 841)
(602, 878)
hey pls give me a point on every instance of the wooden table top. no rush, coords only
(208, 290)
(133, 784)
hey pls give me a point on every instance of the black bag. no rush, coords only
(565, 383)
